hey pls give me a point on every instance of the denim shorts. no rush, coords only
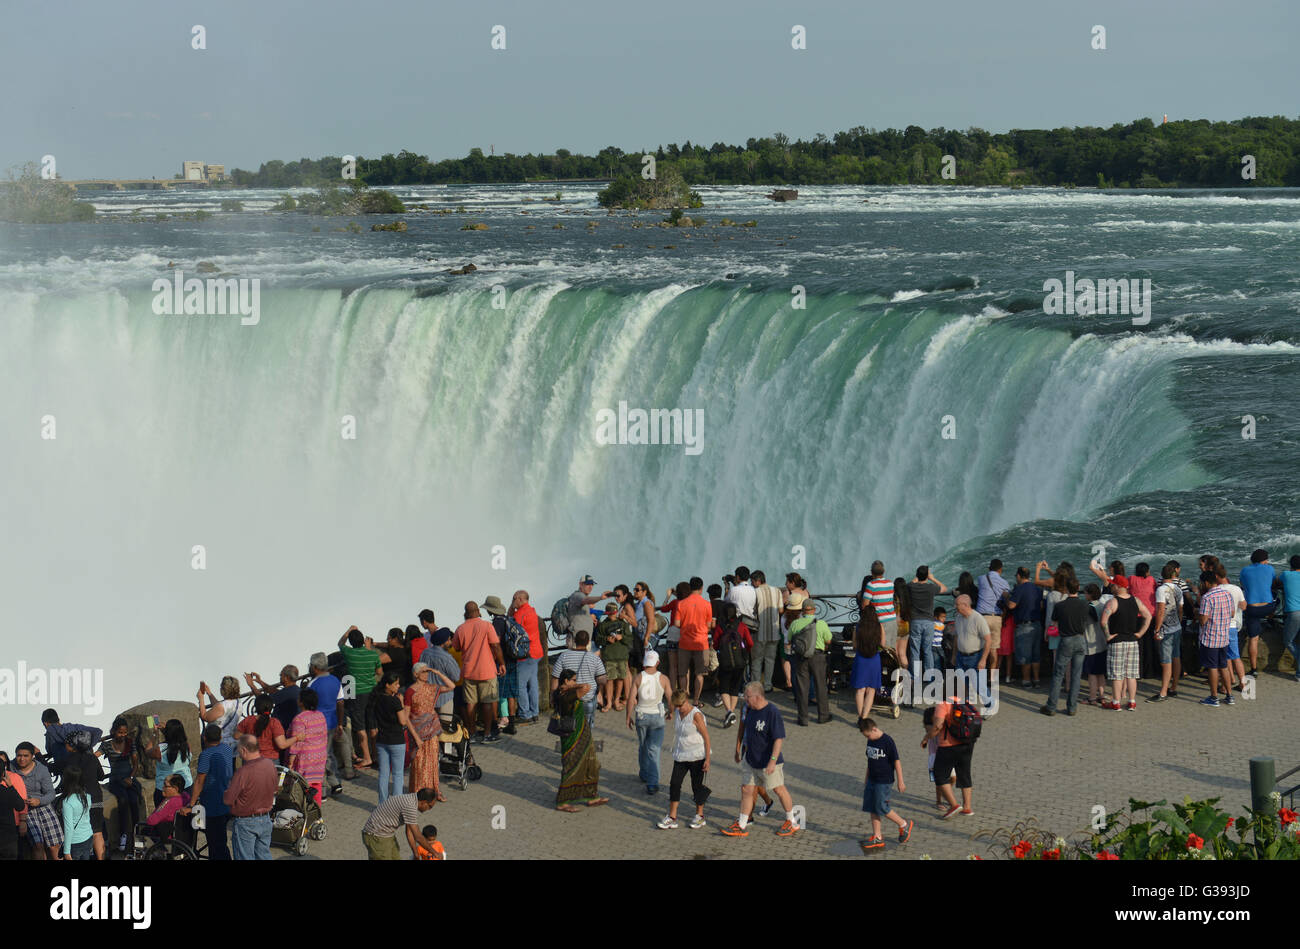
(1231, 650)
(1171, 646)
(875, 798)
(1029, 642)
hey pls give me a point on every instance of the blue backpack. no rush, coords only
(516, 639)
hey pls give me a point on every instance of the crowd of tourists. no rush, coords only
(626, 652)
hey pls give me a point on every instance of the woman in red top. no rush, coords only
(267, 729)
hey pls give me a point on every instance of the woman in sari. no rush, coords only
(579, 769)
(309, 752)
(422, 709)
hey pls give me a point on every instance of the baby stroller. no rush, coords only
(892, 697)
(295, 814)
(455, 760)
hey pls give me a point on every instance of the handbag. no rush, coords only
(561, 725)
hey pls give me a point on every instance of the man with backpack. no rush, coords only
(528, 684)
(956, 727)
(507, 682)
(574, 615)
(809, 640)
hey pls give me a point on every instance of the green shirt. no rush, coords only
(823, 631)
(616, 651)
(362, 664)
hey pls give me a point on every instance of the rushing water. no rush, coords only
(823, 427)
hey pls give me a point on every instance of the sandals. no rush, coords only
(567, 808)
(598, 801)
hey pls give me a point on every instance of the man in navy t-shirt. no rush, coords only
(1257, 587)
(758, 752)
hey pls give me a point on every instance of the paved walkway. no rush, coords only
(1026, 765)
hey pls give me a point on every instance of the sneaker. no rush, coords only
(1131, 707)
(477, 739)
(950, 812)
(1210, 702)
(495, 736)
(668, 823)
(735, 830)
(1047, 711)
(787, 829)
(1229, 700)
(905, 833)
(717, 700)
(1113, 706)
(1157, 697)
(652, 789)
(967, 812)
(762, 811)
(1173, 693)
(509, 729)
(729, 719)
(873, 844)
(697, 822)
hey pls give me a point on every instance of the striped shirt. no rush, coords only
(1218, 608)
(881, 593)
(389, 817)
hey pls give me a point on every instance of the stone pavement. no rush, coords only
(1026, 765)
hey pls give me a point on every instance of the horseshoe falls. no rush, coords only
(877, 377)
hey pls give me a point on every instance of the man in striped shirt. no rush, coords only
(1216, 610)
(880, 593)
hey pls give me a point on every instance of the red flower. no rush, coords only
(1021, 849)
(1054, 854)
(1194, 842)
(1230, 822)
(1107, 855)
(1287, 815)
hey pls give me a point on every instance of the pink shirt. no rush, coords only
(473, 638)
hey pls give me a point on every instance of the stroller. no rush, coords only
(455, 760)
(889, 699)
(295, 814)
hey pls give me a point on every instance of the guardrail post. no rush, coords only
(1263, 779)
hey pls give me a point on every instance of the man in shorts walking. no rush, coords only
(761, 733)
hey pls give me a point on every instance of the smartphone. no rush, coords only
(151, 721)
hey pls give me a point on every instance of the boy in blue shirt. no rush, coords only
(883, 767)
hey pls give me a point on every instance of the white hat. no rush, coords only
(651, 658)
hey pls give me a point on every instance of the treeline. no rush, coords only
(1141, 154)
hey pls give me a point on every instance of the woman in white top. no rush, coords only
(691, 753)
(647, 714)
(223, 712)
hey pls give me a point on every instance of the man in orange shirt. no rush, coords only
(952, 755)
(695, 618)
(482, 662)
(526, 669)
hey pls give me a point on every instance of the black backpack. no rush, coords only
(963, 723)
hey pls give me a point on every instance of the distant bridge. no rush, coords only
(133, 184)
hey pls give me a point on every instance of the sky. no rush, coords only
(119, 91)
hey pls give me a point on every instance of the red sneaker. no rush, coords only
(735, 830)
(788, 829)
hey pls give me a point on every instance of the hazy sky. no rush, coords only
(116, 89)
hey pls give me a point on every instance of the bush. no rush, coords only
(27, 198)
(668, 190)
(287, 203)
(1192, 830)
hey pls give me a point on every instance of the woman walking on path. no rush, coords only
(865, 677)
(1124, 622)
(579, 768)
(422, 706)
(309, 752)
(647, 712)
(733, 644)
(691, 753)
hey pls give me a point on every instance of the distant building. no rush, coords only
(199, 171)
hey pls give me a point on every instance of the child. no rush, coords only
(438, 853)
(927, 719)
(883, 766)
(940, 623)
